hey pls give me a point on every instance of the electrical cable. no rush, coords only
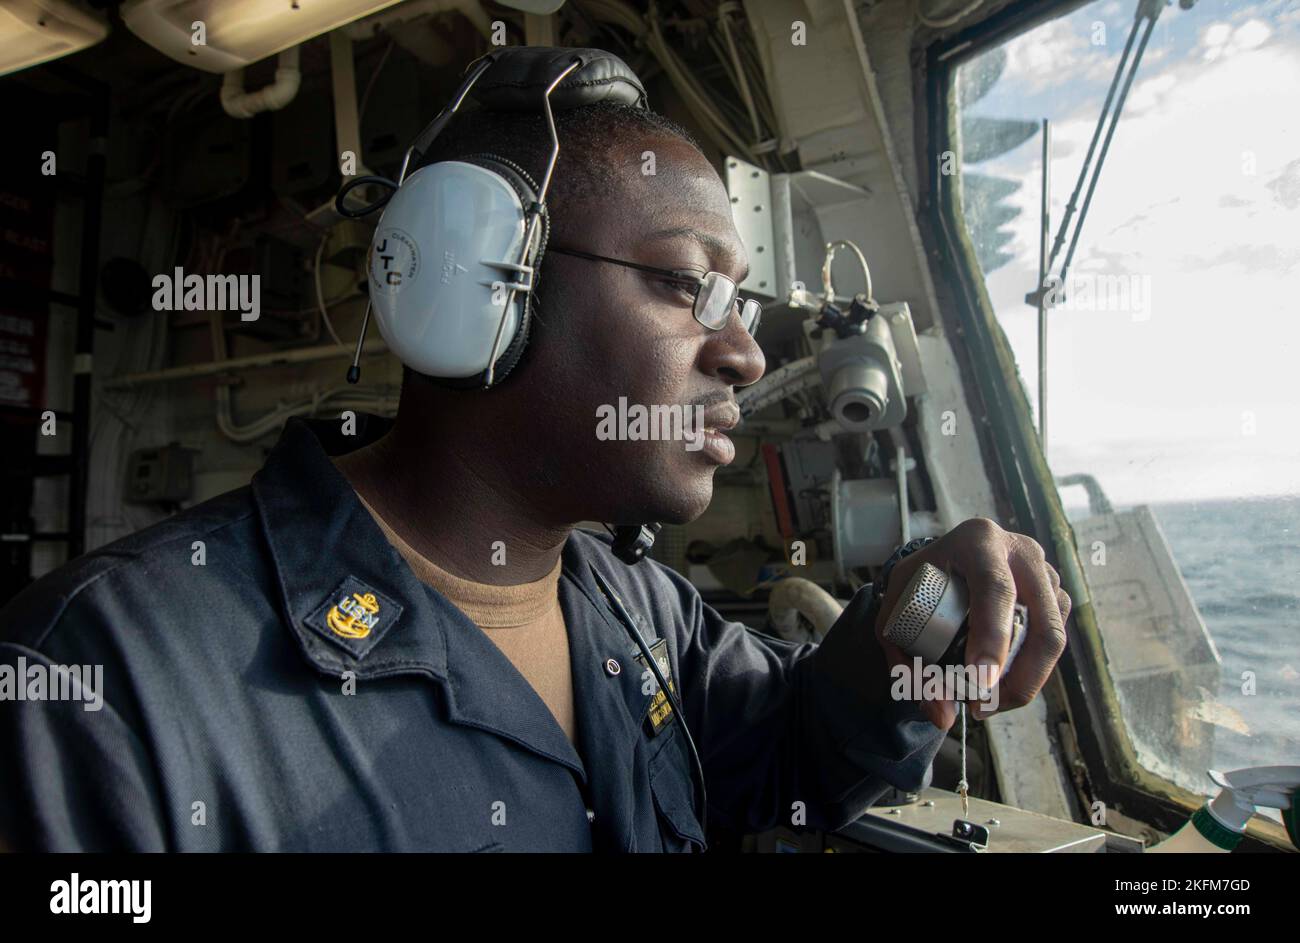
(697, 100)
(720, 132)
(828, 292)
(738, 71)
(367, 208)
(320, 294)
(374, 77)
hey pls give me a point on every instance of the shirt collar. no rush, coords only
(347, 594)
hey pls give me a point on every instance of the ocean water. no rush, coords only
(1241, 561)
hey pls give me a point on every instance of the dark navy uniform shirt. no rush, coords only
(276, 678)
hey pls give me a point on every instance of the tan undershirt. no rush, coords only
(524, 621)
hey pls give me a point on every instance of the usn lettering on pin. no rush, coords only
(354, 616)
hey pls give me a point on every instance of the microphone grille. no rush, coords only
(919, 601)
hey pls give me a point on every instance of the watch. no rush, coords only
(882, 578)
(881, 582)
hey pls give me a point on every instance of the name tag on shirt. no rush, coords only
(661, 708)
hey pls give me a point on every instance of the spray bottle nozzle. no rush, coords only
(1260, 787)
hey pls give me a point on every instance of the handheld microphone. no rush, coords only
(930, 623)
(930, 619)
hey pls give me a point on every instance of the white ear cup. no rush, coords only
(436, 294)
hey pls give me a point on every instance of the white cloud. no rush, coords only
(1221, 39)
(1042, 57)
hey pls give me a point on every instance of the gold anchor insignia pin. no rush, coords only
(353, 616)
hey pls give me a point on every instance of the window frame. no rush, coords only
(1113, 772)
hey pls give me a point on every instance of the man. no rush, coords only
(398, 640)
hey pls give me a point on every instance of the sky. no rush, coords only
(1193, 392)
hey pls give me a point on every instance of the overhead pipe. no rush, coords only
(241, 104)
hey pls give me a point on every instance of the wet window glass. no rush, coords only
(1172, 345)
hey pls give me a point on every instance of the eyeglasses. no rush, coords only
(716, 295)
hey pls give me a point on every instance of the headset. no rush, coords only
(454, 261)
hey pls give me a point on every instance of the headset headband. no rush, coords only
(521, 75)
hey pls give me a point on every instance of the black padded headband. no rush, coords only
(519, 75)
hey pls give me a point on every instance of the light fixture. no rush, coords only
(35, 31)
(224, 35)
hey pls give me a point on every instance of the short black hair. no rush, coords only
(592, 140)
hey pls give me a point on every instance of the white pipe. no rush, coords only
(343, 83)
(796, 595)
(346, 394)
(241, 104)
(273, 358)
(900, 471)
(348, 398)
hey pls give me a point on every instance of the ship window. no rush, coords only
(1173, 347)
